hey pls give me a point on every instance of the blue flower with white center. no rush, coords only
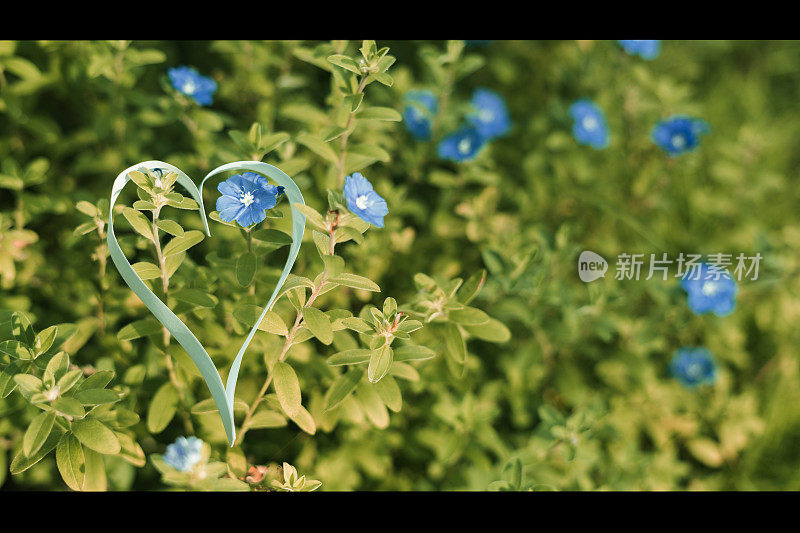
(418, 113)
(590, 126)
(363, 201)
(647, 49)
(245, 198)
(491, 117)
(184, 453)
(693, 367)
(678, 134)
(462, 145)
(710, 289)
(188, 81)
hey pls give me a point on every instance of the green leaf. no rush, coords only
(273, 323)
(350, 357)
(146, 270)
(139, 328)
(69, 406)
(70, 461)
(37, 432)
(344, 62)
(96, 436)
(181, 244)
(379, 113)
(97, 396)
(333, 264)
(372, 405)
(266, 419)
(342, 387)
(379, 363)
(471, 287)
(16, 350)
(95, 479)
(468, 316)
(171, 227)
(413, 353)
(389, 392)
(273, 236)
(356, 282)
(162, 408)
(195, 297)
(357, 324)
(246, 267)
(45, 339)
(287, 388)
(492, 331)
(454, 343)
(138, 222)
(21, 462)
(318, 323)
(312, 216)
(318, 146)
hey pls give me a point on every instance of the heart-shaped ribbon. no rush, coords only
(223, 395)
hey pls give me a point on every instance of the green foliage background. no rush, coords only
(579, 397)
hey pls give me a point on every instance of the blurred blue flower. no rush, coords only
(184, 453)
(693, 367)
(647, 49)
(590, 126)
(710, 289)
(462, 145)
(363, 201)
(188, 81)
(418, 113)
(491, 114)
(245, 197)
(678, 134)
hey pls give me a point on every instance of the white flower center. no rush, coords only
(589, 123)
(709, 288)
(464, 146)
(486, 115)
(694, 370)
(158, 183)
(361, 201)
(678, 141)
(247, 199)
(189, 87)
(52, 394)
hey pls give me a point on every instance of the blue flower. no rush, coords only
(418, 114)
(245, 197)
(647, 49)
(363, 201)
(461, 145)
(188, 81)
(710, 289)
(693, 367)
(491, 114)
(678, 134)
(184, 453)
(590, 126)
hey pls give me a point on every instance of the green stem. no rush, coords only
(289, 339)
(346, 135)
(173, 375)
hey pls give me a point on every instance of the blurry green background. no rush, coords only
(74, 114)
